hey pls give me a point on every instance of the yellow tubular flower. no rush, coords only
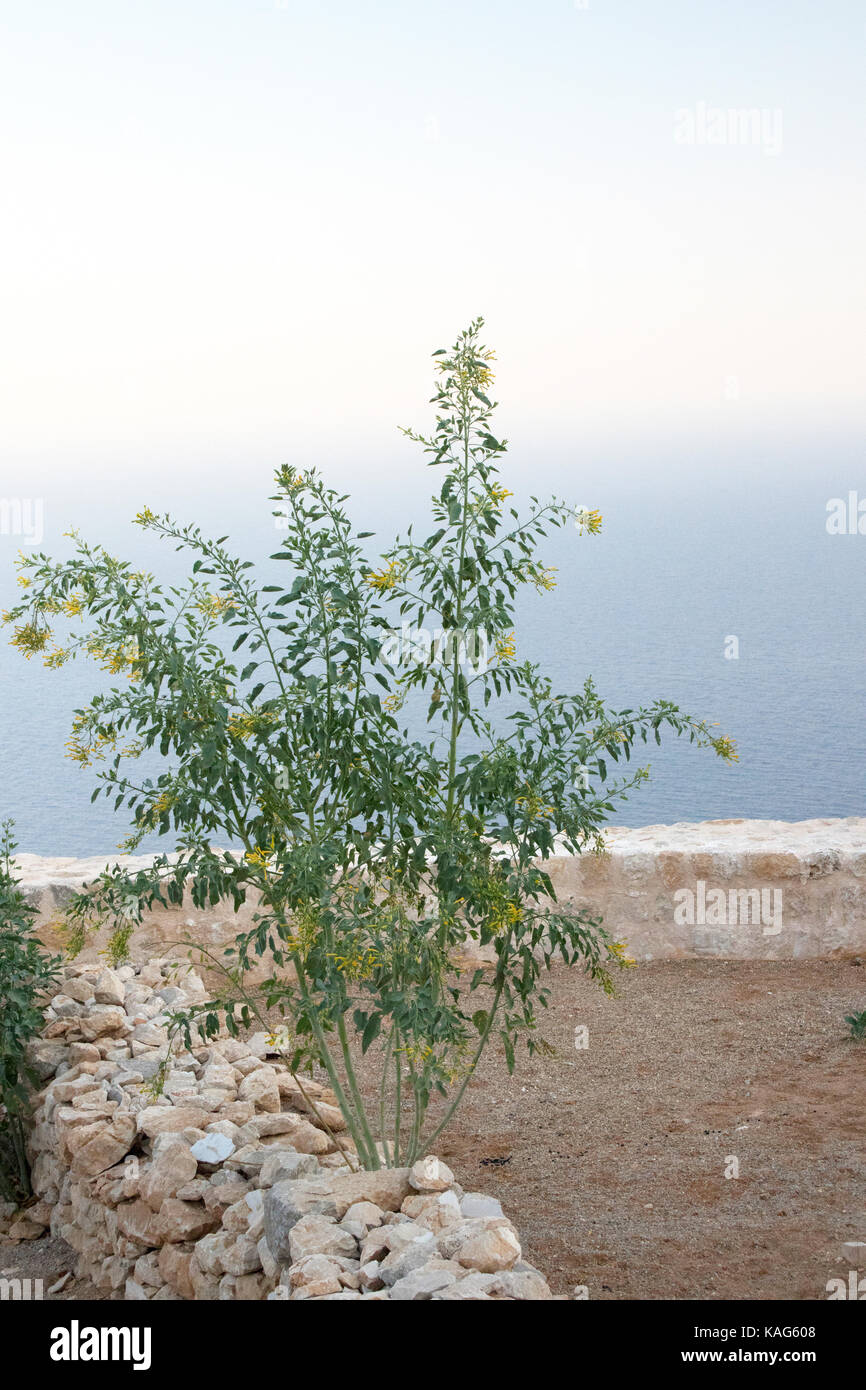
(469, 370)
(117, 659)
(505, 647)
(281, 1040)
(358, 964)
(385, 580)
(617, 950)
(163, 803)
(726, 748)
(289, 479)
(213, 605)
(534, 807)
(587, 521)
(86, 744)
(56, 658)
(260, 858)
(30, 638)
(243, 725)
(415, 1054)
(541, 576)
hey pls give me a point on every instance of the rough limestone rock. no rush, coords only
(287, 1203)
(490, 1251)
(363, 1214)
(103, 1021)
(520, 1282)
(476, 1206)
(179, 1220)
(109, 988)
(316, 1235)
(172, 1169)
(421, 1284)
(329, 1115)
(476, 1287)
(438, 1210)
(160, 1119)
(406, 1258)
(46, 1057)
(285, 1165)
(241, 1256)
(106, 1147)
(303, 1136)
(260, 1087)
(386, 1188)
(138, 1222)
(430, 1174)
(314, 1276)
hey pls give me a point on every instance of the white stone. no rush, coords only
(430, 1174)
(477, 1206)
(214, 1148)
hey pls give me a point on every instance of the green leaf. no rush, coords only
(371, 1032)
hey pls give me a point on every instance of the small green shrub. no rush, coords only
(25, 973)
(857, 1025)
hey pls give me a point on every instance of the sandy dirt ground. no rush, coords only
(611, 1159)
(48, 1259)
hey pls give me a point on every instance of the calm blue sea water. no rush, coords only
(645, 608)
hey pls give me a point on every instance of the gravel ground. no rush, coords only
(611, 1160)
(48, 1259)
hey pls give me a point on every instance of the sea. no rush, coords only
(722, 591)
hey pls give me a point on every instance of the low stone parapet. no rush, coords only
(741, 889)
(730, 888)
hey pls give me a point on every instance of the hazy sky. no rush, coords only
(233, 231)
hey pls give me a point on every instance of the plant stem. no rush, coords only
(482, 1043)
(398, 1104)
(455, 673)
(328, 1063)
(369, 1141)
(382, 1089)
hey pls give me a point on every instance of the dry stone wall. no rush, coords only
(236, 1181)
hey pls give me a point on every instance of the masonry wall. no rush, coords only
(741, 889)
(731, 888)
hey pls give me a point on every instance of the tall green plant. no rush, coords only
(25, 974)
(373, 856)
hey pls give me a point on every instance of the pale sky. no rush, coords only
(234, 230)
